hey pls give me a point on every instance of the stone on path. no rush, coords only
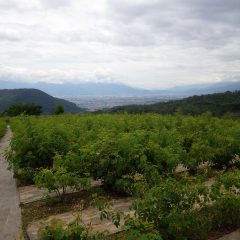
(10, 214)
(231, 236)
(89, 215)
(31, 193)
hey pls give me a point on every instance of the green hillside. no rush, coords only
(218, 104)
(11, 96)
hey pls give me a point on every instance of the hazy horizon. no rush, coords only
(150, 44)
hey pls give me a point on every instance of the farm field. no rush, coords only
(119, 120)
(133, 156)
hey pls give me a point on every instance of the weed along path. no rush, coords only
(10, 214)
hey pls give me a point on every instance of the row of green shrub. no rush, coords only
(172, 210)
(190, 210)
(117, 148)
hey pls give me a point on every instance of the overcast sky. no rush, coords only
(143, 43)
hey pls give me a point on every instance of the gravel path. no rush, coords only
(10, 214)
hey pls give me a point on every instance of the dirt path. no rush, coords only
(31, 193)
(10, 214)
(231, 236)
(89, 216)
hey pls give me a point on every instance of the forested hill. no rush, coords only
(12, 96)
(218, 103)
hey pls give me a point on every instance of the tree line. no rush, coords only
(29, 109)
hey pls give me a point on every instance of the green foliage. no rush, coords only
(173, 208)
(119, 148)
(228, 182)
(33, 146)
(58, 179)
(106, 211)
(225, 211)
(21, 108)
(137, 155)
(25, 175)
(139, 229)
(190, 210)
(134, 234)
(58, 110)
(2, 126)
(74, 231)
(133, 227)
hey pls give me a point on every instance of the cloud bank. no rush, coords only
(143, 43)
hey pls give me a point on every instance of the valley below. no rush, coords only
(93, 103)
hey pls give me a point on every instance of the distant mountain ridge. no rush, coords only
(78, 89)
(114, 89)
(209, 88)
(11, 96)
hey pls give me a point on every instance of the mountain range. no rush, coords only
(67, 90)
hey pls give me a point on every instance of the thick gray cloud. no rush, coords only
(204, 23)
(145, 43)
